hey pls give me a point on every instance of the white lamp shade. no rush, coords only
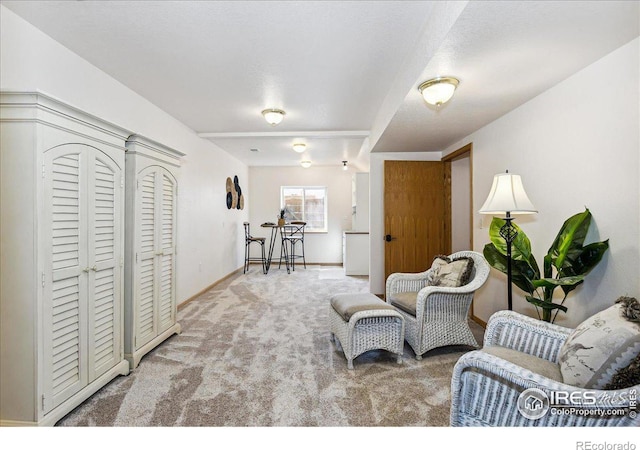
(507, 195)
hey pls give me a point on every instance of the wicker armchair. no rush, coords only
(442, 313)
(485, 388)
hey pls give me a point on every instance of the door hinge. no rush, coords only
(121, 261)
(138, 185)
(43, 401)
(136, 258)
(43, 170)
(121, 182)
(42, 279)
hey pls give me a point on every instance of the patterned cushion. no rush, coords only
(449, 272)
(600, 347)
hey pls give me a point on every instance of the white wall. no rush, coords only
(575, 145)
(264, 204)
(460, 204)
(209, 246)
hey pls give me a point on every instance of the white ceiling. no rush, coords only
(345, 72)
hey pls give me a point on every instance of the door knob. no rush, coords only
(388, 238)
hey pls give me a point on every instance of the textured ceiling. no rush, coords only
(345, 72)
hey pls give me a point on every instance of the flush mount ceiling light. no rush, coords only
(438, 91)
(299, 147)
(305, 164)
(273, 116)
(344, 165)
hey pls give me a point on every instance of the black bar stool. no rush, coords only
(293, 234)
(248, 240)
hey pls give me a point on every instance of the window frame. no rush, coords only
(308, 228)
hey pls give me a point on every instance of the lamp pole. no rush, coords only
(509, 233)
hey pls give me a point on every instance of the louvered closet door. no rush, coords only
(81, 269)
(167, 237)
(65, 273)
(155, 257)
(147, 247)
(105, 287)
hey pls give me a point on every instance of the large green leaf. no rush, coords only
(520, 247)
(570, 238)
(583, 261)
(552, 283)
(545, 305)
(522, 273)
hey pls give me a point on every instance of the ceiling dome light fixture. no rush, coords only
(305, 164)
(299, 147)
(273, 116)
(344, 165)
(438, 91)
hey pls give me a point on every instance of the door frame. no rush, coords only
(463, 152)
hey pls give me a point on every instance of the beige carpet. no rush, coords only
(256, 351)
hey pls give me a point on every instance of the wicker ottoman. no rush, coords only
(362, 322)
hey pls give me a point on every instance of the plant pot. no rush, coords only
(281, 222)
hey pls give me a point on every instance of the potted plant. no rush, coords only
(566, 264)
(281, 216)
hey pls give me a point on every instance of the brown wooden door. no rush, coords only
(417, 216)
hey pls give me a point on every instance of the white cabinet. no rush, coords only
(61, 284)
(360, 201)
(150, 275)
(355, 252)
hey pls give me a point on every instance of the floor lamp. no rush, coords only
(507, 197)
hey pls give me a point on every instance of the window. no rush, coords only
(307, 203)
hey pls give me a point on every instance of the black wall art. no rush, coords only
(235, 199)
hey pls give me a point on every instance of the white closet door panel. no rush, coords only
(147, 209)
(168, 213)
(104, 197)
(146, 328)
(146, 281)
(65, 274)
(166, 294)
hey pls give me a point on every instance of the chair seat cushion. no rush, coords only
(405, 301)
(449, 272)
(602, 345)
(348, 304)
(537, 365)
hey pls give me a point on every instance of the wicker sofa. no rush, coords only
(485, 388)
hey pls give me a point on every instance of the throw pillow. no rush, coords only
(602, 345)
(449, 272)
